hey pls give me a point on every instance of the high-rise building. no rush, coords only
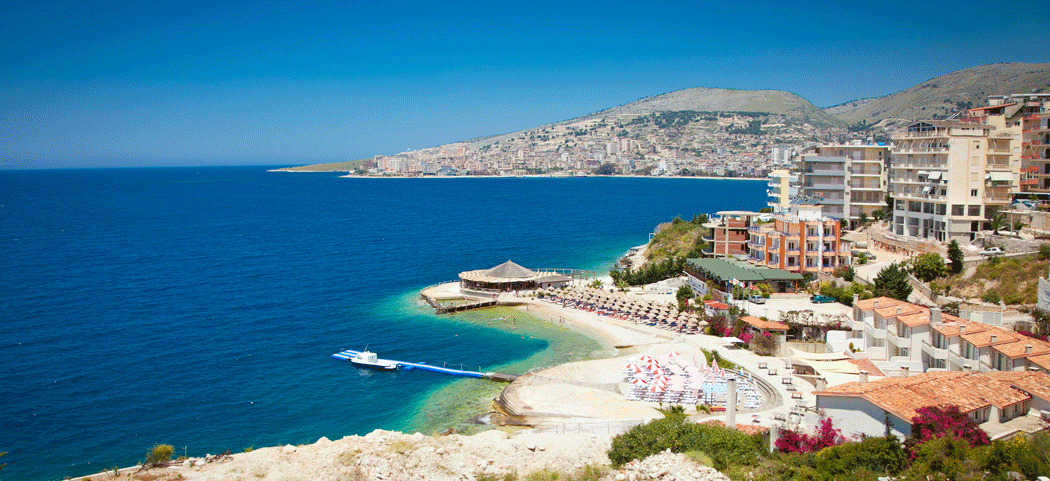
(948, 178)
(849, 180)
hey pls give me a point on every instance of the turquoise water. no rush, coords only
(198, 307)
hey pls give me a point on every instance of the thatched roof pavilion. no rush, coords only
(509, 276)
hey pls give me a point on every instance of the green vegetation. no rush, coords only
(844, 295)
(608, 168)
(955, 257)
(724, 446)
(160, 454)
(678, 239)
(650, 273)
(929, 266)
(944, 448)
(892, 282)
(1014, 280)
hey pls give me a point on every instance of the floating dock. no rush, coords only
(461, 307)
(495, 376)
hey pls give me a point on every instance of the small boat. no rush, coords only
(369, 360)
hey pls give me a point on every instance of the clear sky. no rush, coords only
(154, 83)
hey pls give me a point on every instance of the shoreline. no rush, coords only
(529, 176)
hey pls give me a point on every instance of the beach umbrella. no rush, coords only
(645, 358)
(639, 381)
(673, 354)
(657, 388)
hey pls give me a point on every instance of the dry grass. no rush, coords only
(1015, 280)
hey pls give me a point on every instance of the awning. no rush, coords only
(935, 175)
(1001, 176)
(926, 190)
(923, 172)
(731, 340)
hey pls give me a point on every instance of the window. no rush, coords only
(974, 210)
(902, 330)
(957, 209)
(927, 208)
(914, 206)
(942, 209)
(973, 192)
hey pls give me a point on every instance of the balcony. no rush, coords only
(874, 333)
(826, 172)
(934, 352)
(963, 363)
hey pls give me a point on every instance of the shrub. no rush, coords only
(1032, 455)
(796, 442)
(725, 446)
(934, 422)
(882, 455)
(160, 453)
(946, 457)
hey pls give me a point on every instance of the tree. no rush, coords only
(955, 255)
(1018, 225)
(997, 222)
(892, 282)
(607, 168)
(929, 266)
(863, 219)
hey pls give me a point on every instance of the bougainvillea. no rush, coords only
(933, 422)
(796, 442)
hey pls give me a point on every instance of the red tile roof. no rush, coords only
(764, 325)
(904, 396)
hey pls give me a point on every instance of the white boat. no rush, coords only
(369, 360)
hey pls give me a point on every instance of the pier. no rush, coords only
(408, 366)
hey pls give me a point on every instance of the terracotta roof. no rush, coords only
(1041, 361)
(969, 391)
(984, 337)
(954, 328)
(764, 325)
(1014, 350)
(902, 309)
(912, 320)
(1034, 383)
(717, 305)
(868, 304)
(867, 365)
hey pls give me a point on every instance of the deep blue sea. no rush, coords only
(199, 307)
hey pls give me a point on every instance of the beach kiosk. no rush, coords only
(509, 276)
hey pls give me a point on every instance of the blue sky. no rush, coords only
(152, 83)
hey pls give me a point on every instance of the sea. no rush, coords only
(200, 306)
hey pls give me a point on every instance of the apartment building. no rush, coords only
(948, 178)
(783, 186)
(904, 337)
(849, 180)
(727, 235)
(1035, 155)
(801, 240)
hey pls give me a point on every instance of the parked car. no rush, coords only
(821, 299)
(992, 251)
(757, 299)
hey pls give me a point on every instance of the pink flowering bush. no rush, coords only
(796, 442)
(934, 422)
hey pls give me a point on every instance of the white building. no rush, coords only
(849, 180)
(948, 178)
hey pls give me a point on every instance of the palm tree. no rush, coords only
(1018, 225)
(997, 222)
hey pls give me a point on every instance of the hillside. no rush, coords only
(776, 107)
(941, 96)
(777, 102)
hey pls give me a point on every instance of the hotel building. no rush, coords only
(948, 178)
(849, 180)
(802, 240)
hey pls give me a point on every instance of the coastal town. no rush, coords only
(812, 325)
